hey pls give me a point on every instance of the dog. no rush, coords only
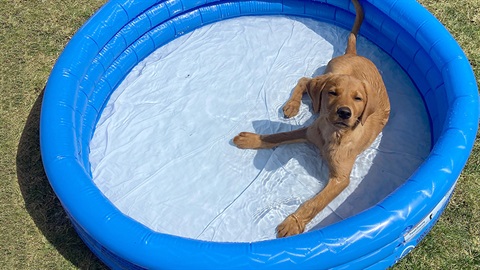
(351, 100)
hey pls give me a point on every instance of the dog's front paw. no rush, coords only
(291, 108)
(247, 140)
(290, 226)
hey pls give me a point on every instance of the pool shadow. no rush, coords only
(40, 200)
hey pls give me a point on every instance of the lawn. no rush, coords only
(35, 232)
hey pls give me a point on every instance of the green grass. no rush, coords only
(454, 242)
(35, 232)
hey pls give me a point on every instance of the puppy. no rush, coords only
(353, 107)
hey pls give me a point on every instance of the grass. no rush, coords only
(454, 242)
(35, 232)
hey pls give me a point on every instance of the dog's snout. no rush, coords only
(344, 113)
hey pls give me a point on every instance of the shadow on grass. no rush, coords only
(41, 201)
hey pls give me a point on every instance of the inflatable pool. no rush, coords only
(125, 39)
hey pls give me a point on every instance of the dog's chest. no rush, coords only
(329, 140)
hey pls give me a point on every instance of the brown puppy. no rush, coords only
(353, 108)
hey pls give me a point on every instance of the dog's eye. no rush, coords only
(332, 93)
(358, 99)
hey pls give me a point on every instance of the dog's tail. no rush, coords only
(352, 38)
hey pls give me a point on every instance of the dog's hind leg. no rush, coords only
(338, 181)
(247, 140)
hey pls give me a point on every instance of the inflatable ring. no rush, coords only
(123, 32)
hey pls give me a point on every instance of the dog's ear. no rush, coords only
(371, 102)
(315, 88)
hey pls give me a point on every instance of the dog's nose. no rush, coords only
(344, 113)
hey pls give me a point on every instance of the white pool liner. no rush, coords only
(162, 151)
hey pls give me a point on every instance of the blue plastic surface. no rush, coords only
(123, 32)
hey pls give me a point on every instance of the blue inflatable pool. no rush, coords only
(123, 32)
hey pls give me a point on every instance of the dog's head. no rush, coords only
(344, 100)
